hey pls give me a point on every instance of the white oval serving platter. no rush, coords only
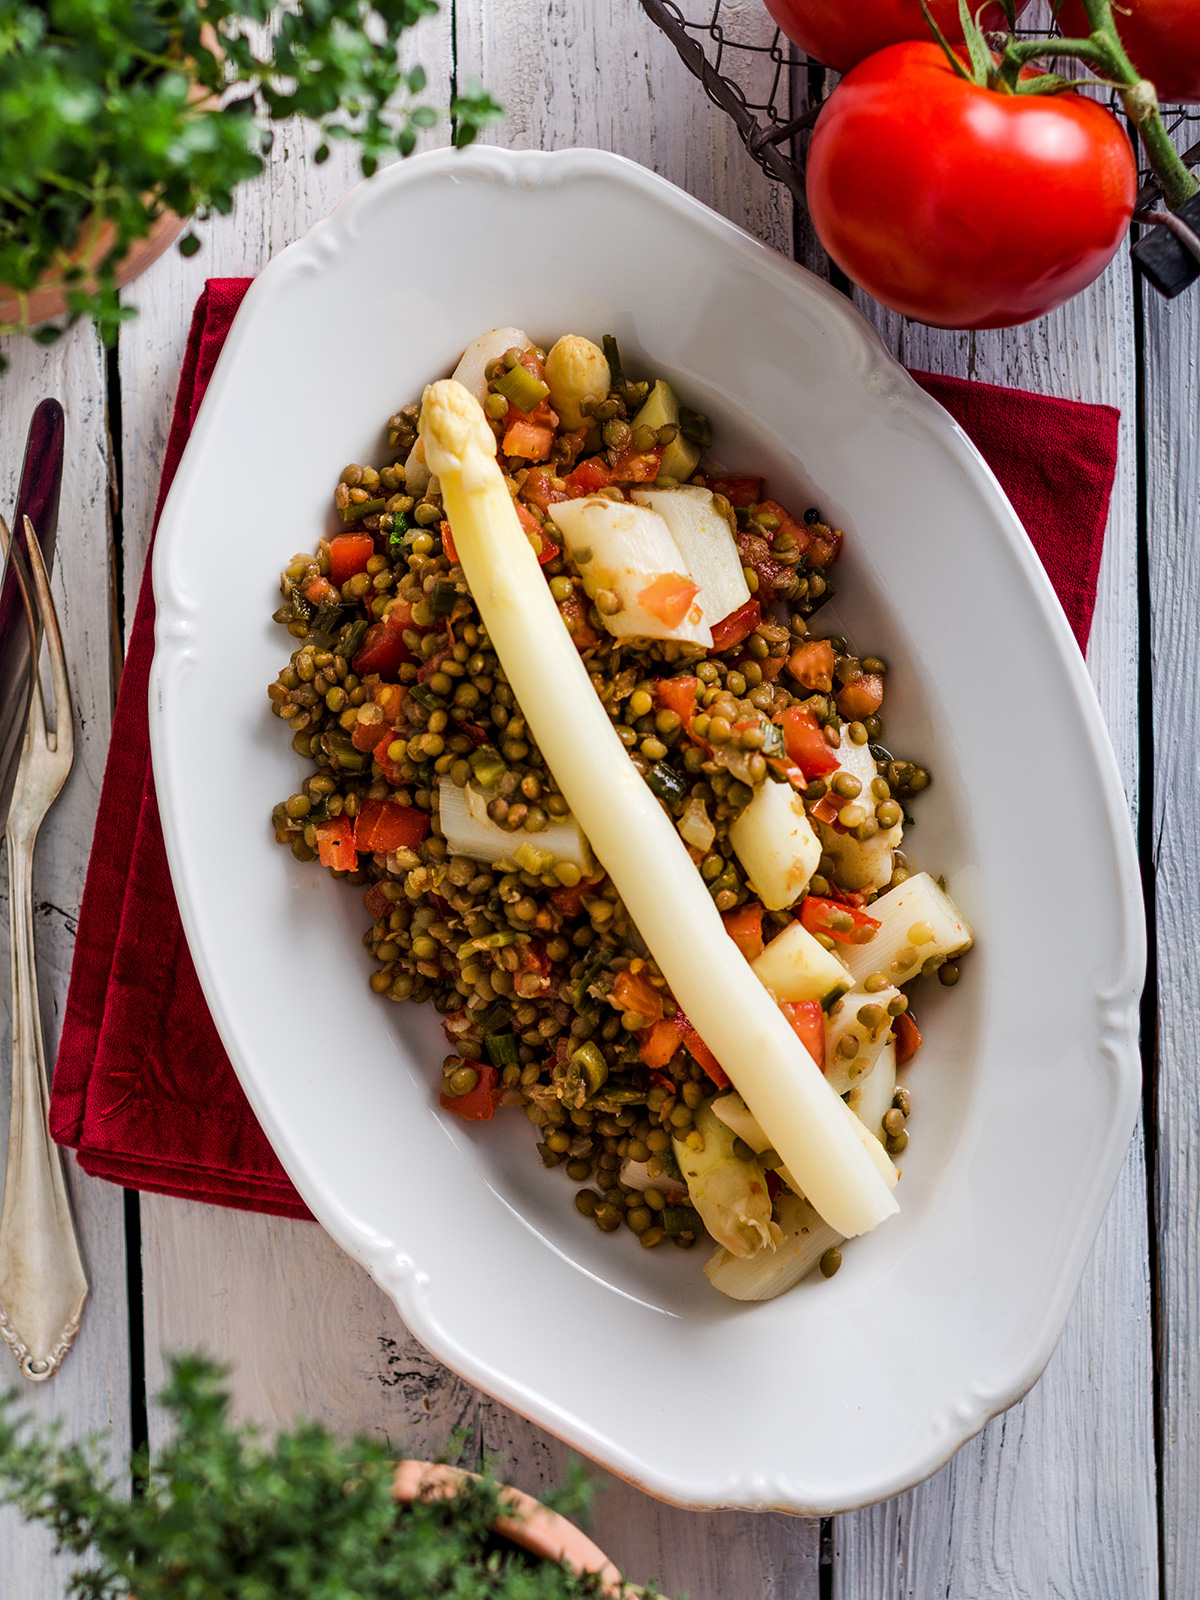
(1026, 1091)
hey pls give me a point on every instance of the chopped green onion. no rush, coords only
(583, 984)
(681, 1219)
(528, 856)
(488, 766)
(368, 508)
(339, 748)
(670, 1165)
(489, 941)
(521, 389)
(667, 784)
(350, 638)
(502, 1049)
(441, 601)
(424, 696)
(695, 426)
(328, 617)
(614, 361)
(496, 1019)
(773, 740)
(396, 537)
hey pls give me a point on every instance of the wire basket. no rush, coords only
(774, 94)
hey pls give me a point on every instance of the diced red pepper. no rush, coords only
(805, 742)
(349, 554)
(811, 664)
(908, 1038)
(575, 612)
(636, 466)
(335, 844)
(383, 650)
(478, 1104)
(543, 489)
(737, 626)
(700, 1053)
(589, 476)
(633, 991)
(660, 1042)
(530, 442)
(387, 766)
(448, 542)
(383, 826)
(377, 903)
(678, 695)
(828, 810)
(844, 923)
(808, 1024)
(738, 491)
(744, 927)
(669, 598)
(544, 546)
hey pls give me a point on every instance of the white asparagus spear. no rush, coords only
(632, 835)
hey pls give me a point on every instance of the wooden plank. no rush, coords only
(1082, 1474)
(1173, 532)
(91, 1391)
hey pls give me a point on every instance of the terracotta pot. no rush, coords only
(532, 1526)
(49, 298)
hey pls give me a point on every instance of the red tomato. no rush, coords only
(633, 992)
(841, 33)
(660, 1042)
(703, 1056)
(961, 206)
(808, 1024)
(908, 1038)
(1161, 37)
(805, 742)
(669, 598)
(383, 826)
(744, 927)
(529, 441)
(335, 844)
(678, 695)
(737, 627)
(738, 491)
(382, 650)
(478, 1104)
(846, 924)
(349, 554)
(387, 766)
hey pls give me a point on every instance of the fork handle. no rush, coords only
(42, 1281)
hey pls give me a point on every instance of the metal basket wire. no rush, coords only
(774, 94)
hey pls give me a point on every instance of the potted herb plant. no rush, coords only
(122, 121)
(222, 1514)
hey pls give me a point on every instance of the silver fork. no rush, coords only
(42, 1281)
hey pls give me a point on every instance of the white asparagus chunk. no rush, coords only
(857, 1030)
(705, 543)
(735, 1113)
(919, 924)
(576, 369)
(860, 864)
(775, 842)
(632, 835)
(622, 551)
(471, 370)
(471, 832)
(795, 967)
(805, 1240)
(729, 1191)
(871, 1098)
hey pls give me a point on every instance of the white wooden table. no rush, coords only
(1087, 1490)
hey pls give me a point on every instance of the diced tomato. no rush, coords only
(755, 552)
(589, 476)
(805, 742)
(365, 735)
(400, 617)
(908, 1037)
(383, 650)
(377, 903)
(701, 1054)
(544, 546)
(532, 959)
(738, 491)
(534, 364)
(825, 547)
(770, 667)
(827, 810)
(801, 533)
(433, 663)
(390, 698)
(318, 590)
(335, 844)
(660, 1042)
(633, 991)
(843, 923)
(808, 1024)
(669, 598)
(575, 613)
(478, 1104)
(636, 466)
(527, 440)
(448, 541)
(387, 766)
(737, 626)
(543, 489)
(678, 695)
(744, 927)
(570, 900)
(383, 826)
(811, 664)
(861, 699)
(348, 554)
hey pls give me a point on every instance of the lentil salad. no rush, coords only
(430, 793)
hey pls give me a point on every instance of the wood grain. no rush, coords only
(1173, 535)
(90, 1392)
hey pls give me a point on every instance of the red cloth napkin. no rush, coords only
(143, 1089)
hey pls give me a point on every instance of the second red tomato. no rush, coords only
(1162, 38)
(841, 33)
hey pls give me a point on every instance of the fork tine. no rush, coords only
(22, 577)
(64, 720)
